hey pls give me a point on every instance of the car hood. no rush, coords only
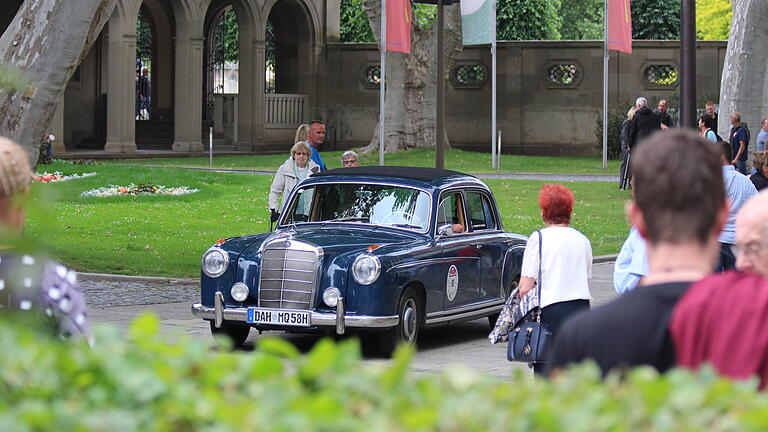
(335, 239)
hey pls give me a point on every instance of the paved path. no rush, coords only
(117, 302)
(511, 176)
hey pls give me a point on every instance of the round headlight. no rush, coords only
(331, 297)
(366, 269)
(215, 262)
(239, 291)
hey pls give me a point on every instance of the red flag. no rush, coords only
(619, 26)
(399, 26)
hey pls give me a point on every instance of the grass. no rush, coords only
(459, 160)
(166, 235)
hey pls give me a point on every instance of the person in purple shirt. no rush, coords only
(738, 189)
(29, 282)
(315, 138)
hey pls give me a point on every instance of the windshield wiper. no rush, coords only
(405, 225)
(349, 219)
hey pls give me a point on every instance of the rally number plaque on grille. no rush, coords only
(285, 317)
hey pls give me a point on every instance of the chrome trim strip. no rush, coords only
(340, 316)
(429, 261)
(316, 318)
(462, 309)
(479, 313)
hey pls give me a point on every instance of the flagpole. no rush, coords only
(493, 88)
(605, 88)
(382, 81)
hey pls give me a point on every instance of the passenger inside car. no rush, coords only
(451, 212)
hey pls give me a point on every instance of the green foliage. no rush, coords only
(654, 19)
(354, 23)
(582, 19)
(528, 19)
(226, 39)
(713, 19)
(149, 383)
(12, 79)
(615, 120)
(143, 37)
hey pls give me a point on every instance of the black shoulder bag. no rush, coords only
(529, 339)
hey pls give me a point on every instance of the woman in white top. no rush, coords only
(295, 169)
(566, 261)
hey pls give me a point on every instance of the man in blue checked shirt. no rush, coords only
(738, 189)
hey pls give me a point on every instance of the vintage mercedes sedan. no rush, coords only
(385, 249)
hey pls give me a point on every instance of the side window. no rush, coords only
(450, 211)
(480, 212)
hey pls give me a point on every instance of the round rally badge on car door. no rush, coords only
(452, 284)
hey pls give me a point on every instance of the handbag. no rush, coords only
(529, 339)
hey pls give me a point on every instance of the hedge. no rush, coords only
(147, 383)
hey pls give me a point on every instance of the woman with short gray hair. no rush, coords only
(295, 169)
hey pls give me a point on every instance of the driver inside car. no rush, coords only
(451, 205)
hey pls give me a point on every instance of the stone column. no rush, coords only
(121, 88)
(188, 98)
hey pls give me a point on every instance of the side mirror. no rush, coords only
(442, 230)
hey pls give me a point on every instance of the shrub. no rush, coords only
(150, 384)
(615, 118)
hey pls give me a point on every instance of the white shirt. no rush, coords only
(566, 267)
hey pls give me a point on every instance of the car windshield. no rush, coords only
(360, 203)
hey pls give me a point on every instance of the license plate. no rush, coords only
(278, 317)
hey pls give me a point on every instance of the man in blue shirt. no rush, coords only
(738, 189)
(315, 138)
(631, 264)
(739, 139)
(762, 136)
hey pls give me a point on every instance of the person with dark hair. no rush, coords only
(145, 95)
(679, 212)
(709, 108)
(31, 283)
(705, 128)
(739, 189)
(739, 140)
(315, 137)
(565, 261)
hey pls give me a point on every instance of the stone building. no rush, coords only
(549, 92)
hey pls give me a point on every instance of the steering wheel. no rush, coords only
(390, 218)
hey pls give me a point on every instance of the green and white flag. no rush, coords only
(476, 22)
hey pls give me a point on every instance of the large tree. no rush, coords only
(409, 111)
(582, 19)
(713, 19)
(46, 42)
(654, 19)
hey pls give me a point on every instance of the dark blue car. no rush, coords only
(385, 249)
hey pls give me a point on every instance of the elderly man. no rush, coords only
(315, 137)
(680, 229)
(739, 139)
(30, 282)
(349, 159)
(644, 123)
(752, 236)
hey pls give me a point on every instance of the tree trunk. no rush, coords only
(743, 85)
(46, 42)
(409, 108)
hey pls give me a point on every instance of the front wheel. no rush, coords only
(236, 333)
(407, 329)
(493, 318)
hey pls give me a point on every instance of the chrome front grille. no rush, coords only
(289, 271)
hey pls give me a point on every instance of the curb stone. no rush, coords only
(178, 281)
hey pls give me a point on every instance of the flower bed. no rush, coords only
(57, 176)
(140, 189)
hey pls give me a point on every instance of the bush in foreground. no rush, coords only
(150, 384)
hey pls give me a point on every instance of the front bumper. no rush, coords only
(220, 313)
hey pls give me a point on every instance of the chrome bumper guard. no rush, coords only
(220, 313)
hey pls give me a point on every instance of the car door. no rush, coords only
(489, 241)
(460, 259)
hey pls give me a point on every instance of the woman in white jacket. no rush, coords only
(295, 169)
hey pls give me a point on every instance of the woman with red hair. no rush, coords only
(565, 260)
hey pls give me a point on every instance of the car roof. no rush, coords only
(410, 173)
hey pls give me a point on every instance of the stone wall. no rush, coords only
(536, 114)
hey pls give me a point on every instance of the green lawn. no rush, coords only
(166, 235)
(459, 160)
